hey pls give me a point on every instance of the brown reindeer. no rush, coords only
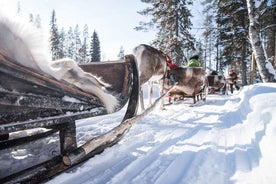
(217, 83)
(191, 82)
(151, 66)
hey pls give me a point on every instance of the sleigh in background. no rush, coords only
(30, 100)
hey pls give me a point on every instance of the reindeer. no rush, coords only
(232, 80)
(152, 67)
(192, 83)
(217, 83)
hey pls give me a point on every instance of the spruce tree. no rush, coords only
(210, 39)
(62, 43)
(31, 18)
(95, 50)
(71, 43)
(18, 8)
(172, 20)
(54, 37)
(78, 44)
(84, 47)
(232, 21)
(37, 22)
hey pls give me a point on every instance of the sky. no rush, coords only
(114, 21)
(228, 139)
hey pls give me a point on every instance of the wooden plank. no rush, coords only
(34, 101)
(49, 122)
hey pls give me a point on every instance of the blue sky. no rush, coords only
(114, 20)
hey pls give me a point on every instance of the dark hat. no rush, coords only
(194, 57)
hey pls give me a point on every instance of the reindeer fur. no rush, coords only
(22, 42)
(152, 67)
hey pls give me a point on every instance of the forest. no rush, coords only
(237, 35)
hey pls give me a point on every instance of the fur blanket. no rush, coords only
(28, 46)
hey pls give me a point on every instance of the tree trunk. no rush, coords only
(243, 64)
(255, 39)
(252, 69)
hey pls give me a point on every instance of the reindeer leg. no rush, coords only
(226, 88)
(150, 92)
(161, 91)
(141, 96)
(194, 97)
(231, 88)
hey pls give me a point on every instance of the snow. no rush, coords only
(226, 139)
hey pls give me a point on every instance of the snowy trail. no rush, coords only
(217, 141)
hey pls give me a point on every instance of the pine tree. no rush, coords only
(78, 44)
(71, 43)
(121, 54)
(62, 43)
(211, 52)
(18, 8)
(54, 38)
(31, 18)
(172, 19)
(232, 21)
(37, 22)
(95, 50)
(84, 47)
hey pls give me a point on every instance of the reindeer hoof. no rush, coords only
(162, 108)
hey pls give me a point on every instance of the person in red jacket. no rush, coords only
(170, 66)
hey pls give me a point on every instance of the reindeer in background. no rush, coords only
(232, 80)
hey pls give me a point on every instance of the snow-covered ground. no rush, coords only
(227, 139)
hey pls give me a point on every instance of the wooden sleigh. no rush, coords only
(191, 83)
(30, 100)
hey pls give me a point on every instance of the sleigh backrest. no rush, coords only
(27, 94)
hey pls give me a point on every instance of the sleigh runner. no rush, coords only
(30, 100)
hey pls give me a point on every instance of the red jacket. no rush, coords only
(170, 64)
